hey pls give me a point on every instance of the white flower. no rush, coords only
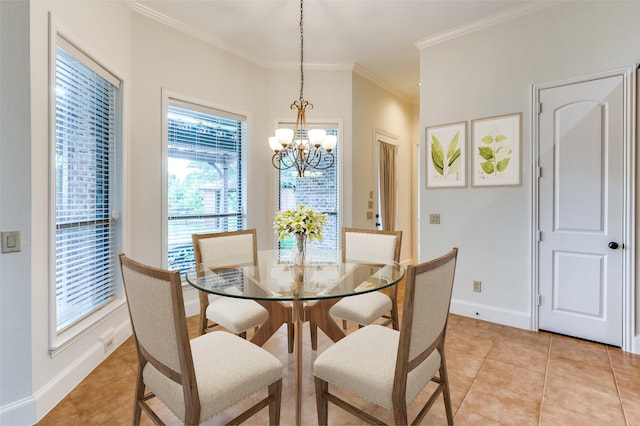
(303, 220)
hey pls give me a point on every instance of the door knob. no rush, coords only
(613, 245)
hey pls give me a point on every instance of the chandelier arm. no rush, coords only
(290, 157)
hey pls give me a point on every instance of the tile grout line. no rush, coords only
(615, 381)
(475, 378)
(546, 374)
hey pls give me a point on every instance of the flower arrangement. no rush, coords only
(303, 220)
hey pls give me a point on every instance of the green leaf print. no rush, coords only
(486, 153)
(446, 165)
(496, 160)
(503, 164)
(487, 167)
(437, 155)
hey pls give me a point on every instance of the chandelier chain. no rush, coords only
(301, 52)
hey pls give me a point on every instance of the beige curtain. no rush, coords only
(387, 185)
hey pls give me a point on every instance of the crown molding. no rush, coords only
(363, 72)
(200, 35)
(482, 24)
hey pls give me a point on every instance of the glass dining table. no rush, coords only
(296, 293)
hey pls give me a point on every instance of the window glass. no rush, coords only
(206, 176)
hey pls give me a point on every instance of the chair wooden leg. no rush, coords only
(313, 332)
(203, 323)
(444, 377)
(344, 324)
(290, 337)
(275, 391)
(400, 414)
(243, 335)
(139, 396)
(394, 316)
(322, 403)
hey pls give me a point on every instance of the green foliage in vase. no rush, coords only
(449, 163)
(495, 159)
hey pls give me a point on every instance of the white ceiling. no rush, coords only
(379, 37)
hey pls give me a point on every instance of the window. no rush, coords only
(86, 200)
(205, 175)
(318, 189)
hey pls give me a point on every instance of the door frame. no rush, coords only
(629, 196)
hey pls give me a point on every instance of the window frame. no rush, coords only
(61, 339)
(178, 99)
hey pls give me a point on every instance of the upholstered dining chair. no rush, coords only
(195, 379)
(371, 246)
(389, 367)
(227, 250)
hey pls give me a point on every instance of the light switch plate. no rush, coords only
(11, 241)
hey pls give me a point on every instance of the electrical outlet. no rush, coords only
(108, 344)
(477, 286)
(434, 219)
(107, 340)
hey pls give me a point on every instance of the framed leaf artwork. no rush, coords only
(496, 150)
(446, 146)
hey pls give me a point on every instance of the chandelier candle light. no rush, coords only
(300, 147)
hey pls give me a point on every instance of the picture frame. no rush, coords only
(495, 146)
(446, 155)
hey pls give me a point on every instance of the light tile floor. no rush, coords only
(498, 375)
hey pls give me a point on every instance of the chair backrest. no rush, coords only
(427, 299)
(156, 309)
(226, 249)
(371, 245)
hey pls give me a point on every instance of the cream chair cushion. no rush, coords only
(363, 308)
(227, 370)
(224, 311)
(365, 364)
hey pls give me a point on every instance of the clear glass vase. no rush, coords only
(299, 260)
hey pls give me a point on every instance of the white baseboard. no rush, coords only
(21, 412)
(67, 379)
(491, 313)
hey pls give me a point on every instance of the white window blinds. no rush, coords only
(85, 125)
(206, 175)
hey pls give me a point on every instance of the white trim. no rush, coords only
(365, 73)
(498, 18)
(491, 313)
(18, 412)
(230, 47)
(629, 74)
(380, 135)
(59, 341)
(56, 389)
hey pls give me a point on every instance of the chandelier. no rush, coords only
(302, 148)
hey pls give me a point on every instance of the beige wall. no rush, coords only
(376, 109)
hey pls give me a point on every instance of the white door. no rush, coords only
(581, 212)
